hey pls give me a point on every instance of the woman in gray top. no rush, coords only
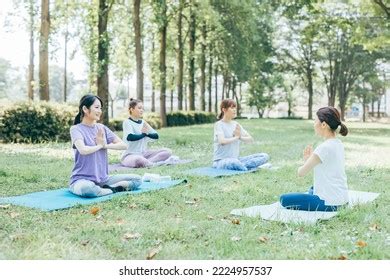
(228, 135)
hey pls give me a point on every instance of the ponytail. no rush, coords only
(343, 129)
(77, 119)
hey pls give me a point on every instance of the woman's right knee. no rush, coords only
(135, 161)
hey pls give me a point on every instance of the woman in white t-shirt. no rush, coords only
(137, 133)
(330, 188)
(227, 137)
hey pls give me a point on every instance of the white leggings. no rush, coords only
(87, 188)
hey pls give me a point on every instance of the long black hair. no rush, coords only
(331, 116)
(87, 101)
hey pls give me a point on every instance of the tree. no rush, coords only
(138, 48)
(103, 56)
(191, 67)
(300, 53)
(180, 55)
(44, 51)
(261, 92)
(162, 22)
(31, 27)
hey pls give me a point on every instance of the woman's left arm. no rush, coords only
(246, 137)
(116, 144)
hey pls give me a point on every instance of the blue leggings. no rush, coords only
(305, 201)
(87, 188)
(242, 163)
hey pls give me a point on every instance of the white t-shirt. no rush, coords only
(330, 181)
(231, 150)
(135, 147)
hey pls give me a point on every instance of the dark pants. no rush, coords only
(305, 201)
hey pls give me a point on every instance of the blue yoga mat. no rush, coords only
(63, 198)
(214, 172)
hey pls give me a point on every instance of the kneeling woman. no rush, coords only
(90, 141)
(227, 137)
(137, 133)
(330, 190)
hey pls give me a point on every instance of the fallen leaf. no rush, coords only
(132, 206)
(210, 217)
(235, 221)
(235, 238)
(94, 210)
(263, 239)
(85, 242)
(374, 227)
(128, 236)
(14, 215)
(361, 243)
(190, 202)
(5, 206)
(342, 257)
(152, 253)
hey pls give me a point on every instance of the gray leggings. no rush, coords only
(87, 188)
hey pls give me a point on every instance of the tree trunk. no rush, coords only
(192, 58)
(103, 58)
(378, 114)
(138, 49)
(30, 80)
(180, 57)
(228, 83)
(364, 108)
(163, 68)
(185, 98)
(153, 109)
(311, 93)
(223, 86)
(66, 64)
(171, 100)
(216, 89)
(203, 69)
(44, 51)
(210, 81)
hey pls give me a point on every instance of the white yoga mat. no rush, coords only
(276, 212)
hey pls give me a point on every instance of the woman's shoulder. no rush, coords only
(75, 127)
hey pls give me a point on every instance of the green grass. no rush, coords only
(202, 229)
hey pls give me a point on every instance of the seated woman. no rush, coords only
(90, 141)
(330, 190)
(227, 137)
(137, 133)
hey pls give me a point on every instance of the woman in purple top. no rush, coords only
(90, 142)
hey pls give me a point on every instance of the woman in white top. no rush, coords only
(137, 133)
(227, 137)
(330, 188)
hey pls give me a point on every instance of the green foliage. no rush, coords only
(181, 118)
(36, 122)
(153, 119)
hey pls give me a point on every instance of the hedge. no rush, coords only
(36, 122)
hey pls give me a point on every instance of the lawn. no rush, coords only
(192, 221)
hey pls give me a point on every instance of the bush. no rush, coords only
(181, 118)
(36, 122)
(151, 118)
(115, 125)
